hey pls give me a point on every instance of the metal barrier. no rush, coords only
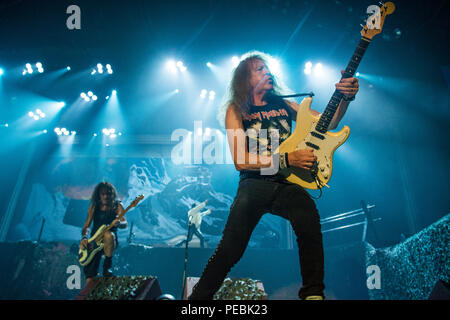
(364, 212)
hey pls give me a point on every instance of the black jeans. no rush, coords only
(254, 198)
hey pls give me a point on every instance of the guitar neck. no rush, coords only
(119, 217)
(333, 104)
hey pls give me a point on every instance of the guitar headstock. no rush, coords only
(375, 22)
(135, 202)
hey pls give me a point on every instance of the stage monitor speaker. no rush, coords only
(191, 282)
(441, 291)
(121, 288)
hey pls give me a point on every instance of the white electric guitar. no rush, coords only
(311, 132)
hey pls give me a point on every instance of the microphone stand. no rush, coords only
(185, 259)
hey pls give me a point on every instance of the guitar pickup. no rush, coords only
(317, 135)
(312, 145)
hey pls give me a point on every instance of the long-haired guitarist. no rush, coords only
(103, 210)
(255, 104)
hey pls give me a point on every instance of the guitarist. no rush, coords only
(104, 209)
(255, 104)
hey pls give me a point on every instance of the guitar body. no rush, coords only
(95, 244)
(327, 144)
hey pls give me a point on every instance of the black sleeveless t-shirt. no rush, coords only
(264, 124)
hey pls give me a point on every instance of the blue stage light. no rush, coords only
(1, 72)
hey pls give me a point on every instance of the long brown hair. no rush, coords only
(95, 197)
(240, 90)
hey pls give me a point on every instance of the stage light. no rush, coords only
(107, 97)
(36, 117)
(203, 93)
(112, 130)
(114, 92)
(113, 136)
(90, 93)
(107, 144)
(120, 133)
(209, 64)
(199, 131)
(94, 97)
(109, 69)
(99, 68)
(274, 66)
(207, 131)
(73, 133)
(176, 90)
(172, 66)
(31, 114)
(38, 65)
(308, 68)
(68, 68)
(105, 131)
(93, 72)
(318, 69)
(235, 61)
(212, 95)
(6, 125)
(61, 104)
(44, 131)
(83, 95)
(357, 74)
(1, 72)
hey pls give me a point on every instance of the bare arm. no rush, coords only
(85, 230)
(243, 160)
(123, 222)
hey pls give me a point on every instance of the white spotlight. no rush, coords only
(235, 61)
(114, 92)
(209, 64)
(105, 131)
(61, 104)
(274, 66)
(318, 69)
(31, 114)
(36, 117)
(83, 95)
(171, 65)
(203, 93)
(90, 94)
(94, 97)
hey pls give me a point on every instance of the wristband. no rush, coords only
(284, 161)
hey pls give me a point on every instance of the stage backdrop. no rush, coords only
(60, 192)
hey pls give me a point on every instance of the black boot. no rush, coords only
(107, 267)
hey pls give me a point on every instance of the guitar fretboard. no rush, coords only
(333, 104)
